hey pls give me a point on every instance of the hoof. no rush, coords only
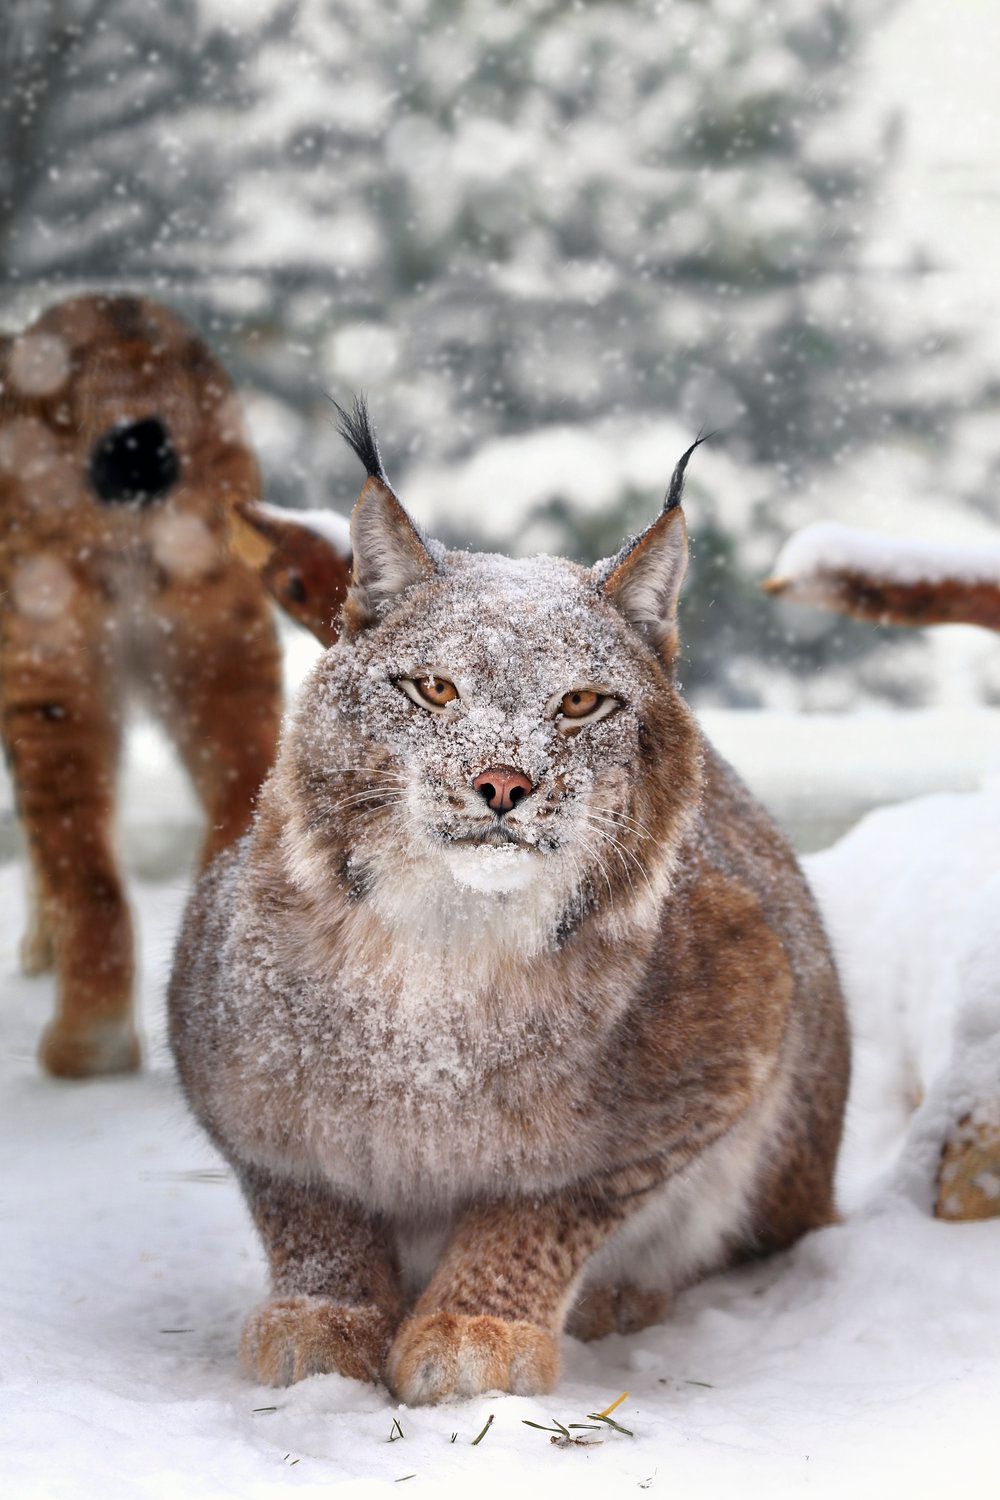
(111, 1047)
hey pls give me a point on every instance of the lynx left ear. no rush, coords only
(646, 577)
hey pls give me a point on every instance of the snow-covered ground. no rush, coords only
(865, 1361)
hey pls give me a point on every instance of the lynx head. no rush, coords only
(499, 741)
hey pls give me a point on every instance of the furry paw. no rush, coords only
(607, 1309)
(451, 1354)
(75, 1052)
(292, 1337)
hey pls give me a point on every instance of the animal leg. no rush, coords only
(336, 1299)
(38, 954)
(492, 1314)
(217, 689)
(601, 1310)
(61, 731)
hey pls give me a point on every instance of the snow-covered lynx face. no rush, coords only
(500, 669)
(498, 729)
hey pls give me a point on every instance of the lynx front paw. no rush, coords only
(292, 1337)
(451, 1354)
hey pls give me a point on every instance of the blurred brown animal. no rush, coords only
(303, 558)
(121, 451)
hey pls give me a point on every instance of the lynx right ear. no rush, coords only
(644, 580)
(389, 553)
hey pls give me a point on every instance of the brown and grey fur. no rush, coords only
(468, 1110)
(100, 600)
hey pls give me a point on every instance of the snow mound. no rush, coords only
(910, 898)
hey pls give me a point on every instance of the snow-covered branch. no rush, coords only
(891, 581)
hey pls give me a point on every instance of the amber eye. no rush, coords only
(581, 707)
(437, 690)
(579, 703)
(431, 691)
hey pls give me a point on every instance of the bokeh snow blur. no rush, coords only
(553, 242)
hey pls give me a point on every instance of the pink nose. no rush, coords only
(502, 787)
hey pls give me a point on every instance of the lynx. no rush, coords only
(512, 1012)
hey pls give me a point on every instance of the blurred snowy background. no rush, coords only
(553, 241)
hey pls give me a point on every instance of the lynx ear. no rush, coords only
(645, 580)
(303, 558)
(389, 553)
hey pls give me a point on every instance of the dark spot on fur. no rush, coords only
(574, 916)
(125, 314)
(357, 879)
(134, 464)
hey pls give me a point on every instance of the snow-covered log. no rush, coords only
(890, 581)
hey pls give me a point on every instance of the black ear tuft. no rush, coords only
(134, 463)
(675, 491)
(355, 427)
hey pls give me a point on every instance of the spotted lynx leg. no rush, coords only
(491, 1317)
(336, 1299)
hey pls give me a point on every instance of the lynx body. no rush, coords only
(512, 1007)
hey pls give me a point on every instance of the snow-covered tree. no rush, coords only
(591, 217)
(103, 171)
(608, 219)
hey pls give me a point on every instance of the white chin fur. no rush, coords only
(485, 868)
